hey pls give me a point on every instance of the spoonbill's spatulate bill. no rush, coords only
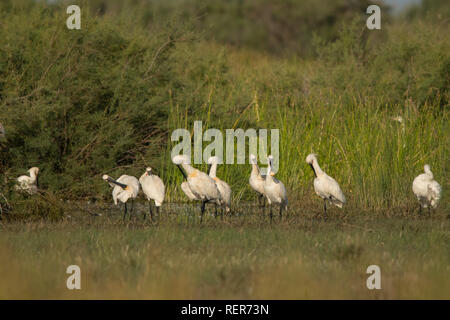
(426, 189)
(325, 186)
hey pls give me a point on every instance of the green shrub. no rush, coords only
(105, 99)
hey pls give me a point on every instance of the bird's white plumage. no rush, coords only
(187, 191)
(256, 180)
(28, 183)
(153, 187)
(273, 188)
(178, 160)
(426, 189)
(324, 185)
(222, 186)
(201, 185)
(119, 193)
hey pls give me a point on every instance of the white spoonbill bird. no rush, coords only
(274, 189)
(222, 186)
(29, 184)
(200, 184)
(325, 186)
(256, 180)
(153, 188)
(125, 188)
(426, 189)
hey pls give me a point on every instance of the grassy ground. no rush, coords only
(239, 257)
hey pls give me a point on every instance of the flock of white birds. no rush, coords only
(208, 188)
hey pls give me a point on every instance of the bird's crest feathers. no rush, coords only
(310, 158)
(181, 159)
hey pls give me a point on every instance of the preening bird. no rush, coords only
(222, 186)
(426, 189)
(274, 189)
(29, 184)
(125, 188)
(200, 184)
(153, 188)
(256, 180)
(325, 186)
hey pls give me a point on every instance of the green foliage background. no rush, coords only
(105, 99)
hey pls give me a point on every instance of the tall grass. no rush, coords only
(106, 98)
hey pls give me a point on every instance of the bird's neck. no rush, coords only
(187, 168)
(317, 170)
(33, 176)
(269, 177)
(213, 171)
(143, 176)
(255, 170)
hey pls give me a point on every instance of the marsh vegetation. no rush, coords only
(105, 99)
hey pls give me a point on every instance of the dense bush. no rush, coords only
(104, 99)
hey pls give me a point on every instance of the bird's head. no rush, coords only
(253, 159)
(148, 171)
(427, 169)
(399, 119)
(105, 177)
(34, 170)
(310, 160)
(181, 159)
(311, 157)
